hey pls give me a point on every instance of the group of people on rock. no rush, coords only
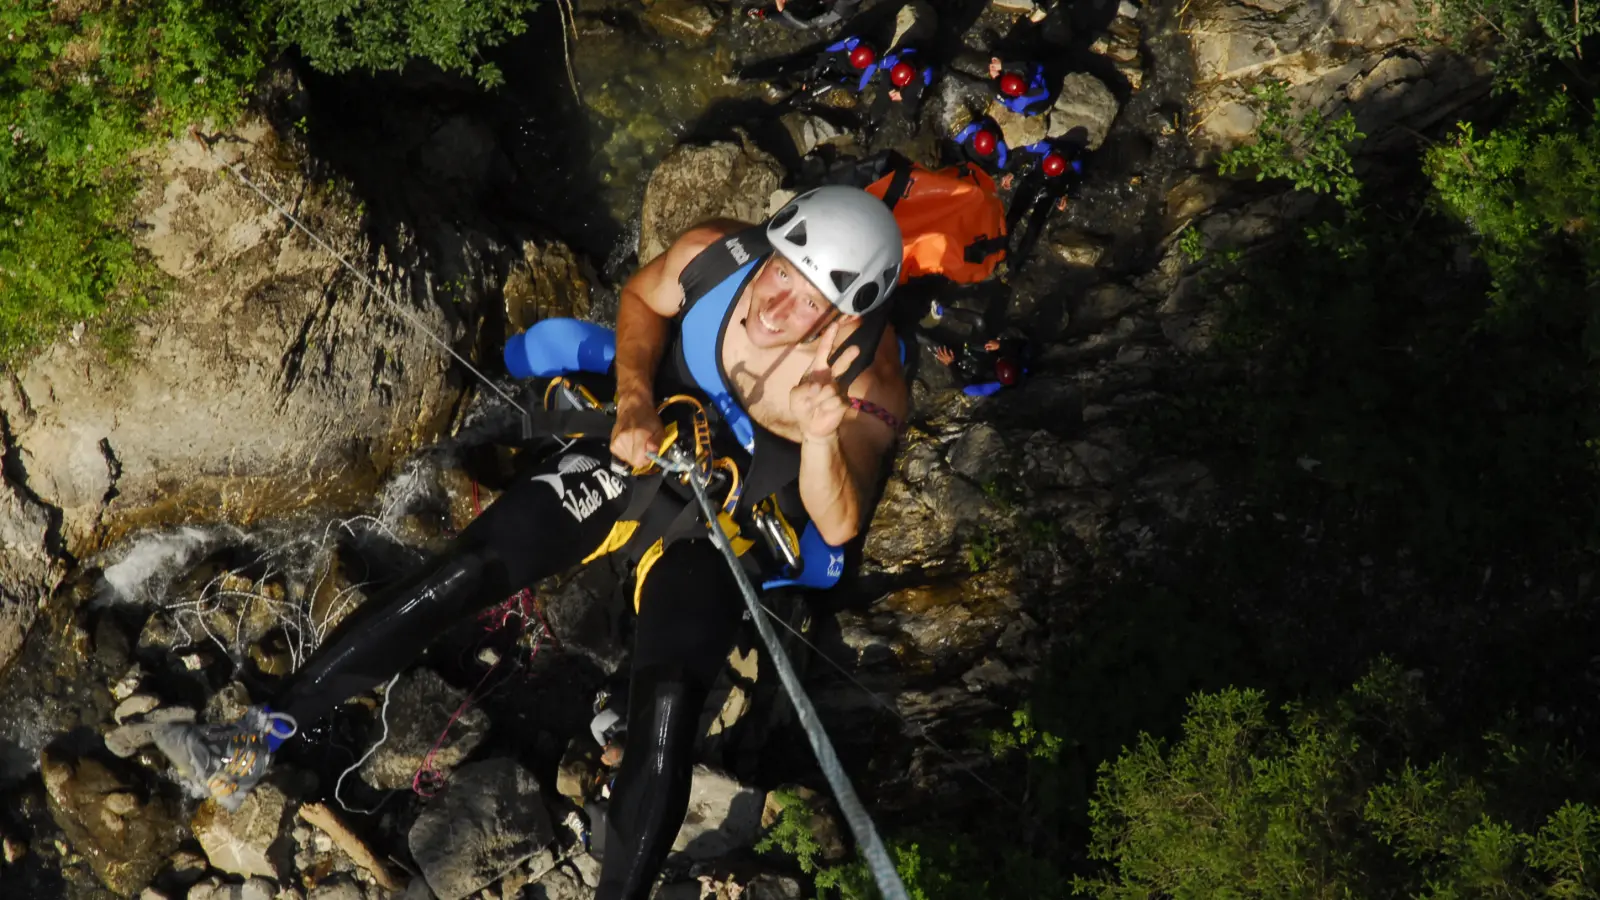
(891, 64)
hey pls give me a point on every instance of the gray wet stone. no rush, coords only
(487, 820)
(428, 702)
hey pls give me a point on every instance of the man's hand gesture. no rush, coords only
(818, 403)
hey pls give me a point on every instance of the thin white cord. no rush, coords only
(238, 172)
(383, 716)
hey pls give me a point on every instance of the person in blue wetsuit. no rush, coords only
(780, 333)
(1047, 174)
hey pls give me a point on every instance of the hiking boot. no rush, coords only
(224, 762)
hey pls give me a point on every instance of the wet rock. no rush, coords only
(13, 849)
(810, 132)
(579, 770)
(1084, 110)
(186, 867)
(979, 453)
(267, 379)
(339, 887)
(908, 529)
(695, 183)
(1077, 248)
(241, 842)
(1103, 303)
(428, 702)
(1015, 6)
(768, 886)
(125, 849)
(684, 19)
(489, 818)
(588, 869)
(152, 894)
(29, 570)
(561, 883)
(548, 282)
(253, 889)
(136, 705)
(1237, 39)
(1018, 130)
(724, 816)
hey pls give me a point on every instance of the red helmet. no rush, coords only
(902, 74)
(862, 56)
(1012, 85)
(1007, 371)
(984, 142)
(1054, 164)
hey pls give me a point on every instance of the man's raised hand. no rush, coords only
(817, 403)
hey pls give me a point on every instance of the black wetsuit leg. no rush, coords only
(546, 522)
(689, 615)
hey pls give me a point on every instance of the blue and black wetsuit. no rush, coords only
(563, 512)
(1036, 98)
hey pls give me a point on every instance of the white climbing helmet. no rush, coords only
(845, 241)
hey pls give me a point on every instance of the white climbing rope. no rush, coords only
(855, 813)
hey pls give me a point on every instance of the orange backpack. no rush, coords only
(951, 221)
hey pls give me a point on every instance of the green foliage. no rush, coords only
(1023, 737)
(1320, 804)
(792, 833)
(983, 549)
(1311, 151)
(993, 866)
(1530, 192)
(87, 85)
(1530, 34)
(341, 35)
(79, 93)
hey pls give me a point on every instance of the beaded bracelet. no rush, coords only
(873, 409)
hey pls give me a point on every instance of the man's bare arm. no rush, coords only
(838, 474)
(649, 299)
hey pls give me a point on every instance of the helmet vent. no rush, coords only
(784, 215)
(866, 296)
(843, 280)
(797, 234)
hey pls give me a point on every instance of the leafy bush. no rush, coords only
(1311, 151)
(1322, 804)
(1530, 192)
(87, 84)
(1530, 34)
(79, 93)
(341, 35)
(792, 833)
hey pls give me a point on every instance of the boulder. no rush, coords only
(124, 836)
(241, 842)
(1084, 103)
(979, 453)
(724, 816)
(269, 379)
(489, 818)
(695, 183)
(548, 282)
(428, 702)
(687, 20)
(1018, 130)
(29, 569)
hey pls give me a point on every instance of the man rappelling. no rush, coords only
(774, 340)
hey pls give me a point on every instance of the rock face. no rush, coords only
(1084, 103)
(489, 818)
(697, 183)
(428, 702)
(547, 282)
(1344, 54)
(28, 569)
(723, 816)
(268, 370)
(125, 838)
